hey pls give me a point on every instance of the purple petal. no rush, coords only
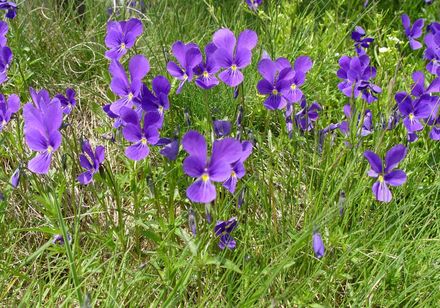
(374, 160)
(381, 192)
(85, 177)
(395, 178)
(247, 40)
(40, 164)
(394, 156)
(193, 166)
(231, 78)
(224, 39)
(201, 191)
(195, 144)
(138, 67)
(228, 150)
(137, 151)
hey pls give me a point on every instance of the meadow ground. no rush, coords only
(131, 244)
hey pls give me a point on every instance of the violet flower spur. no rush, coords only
(188, 56)
(91, 161)
(275, 83)
(121, 36)
(127, 90)
(10, 8)
(223, 229)
(141, 136)
(413, 32)
(360, 42)
(206, 70)
(383, 171)
(205, 170)
(318, 245)
(307, 115)
(3, 31)
(238, 170)
(41, 129)
(8, 108)
(233, 55)
(68, 101)
(5, 61)
(413, 111)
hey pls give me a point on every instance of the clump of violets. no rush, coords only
(318, 245)
(413, 32)
(233, 54)
(156, 100)
(384, 171)
(356, 73)
(361, 43)
(188, 57)
(223, 229)
(8, 108)
(121, 36)
(207, 170)
(91, 161)
(67, 101)
(41, 129)
(128, 90)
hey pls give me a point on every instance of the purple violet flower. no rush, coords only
(10, 8)
(121, 36)
(157, 101)
(140, 135)
(432, 52)
(91, 161)
(254, 4)
(318, 245)
(216, 169)
(223, 229)
(59, 239)
(170, 147)
(302, 65)
(192, 221)
(222, 128)
(238, 170)
(413, 111)
(188, 57)
(3, 31)
(127, 90)
(206, 70)
(275, 82)
(413, 32)
(15, 178)
(385, 173)
(360, 42)
(307, 115)
(5, 61)
(233, 55)
(41, 129)
(68, 101)
(434, 134)
(8, 108)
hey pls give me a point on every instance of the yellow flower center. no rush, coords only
(205, 177)
(293, 86)
(161, 109)
(122, 46)
(144, 140)
(130, 96)
(411, 116)
(49, 149)
(275, 92)
(205, 74)
(185, 76)
(234, 67)
(381, 178)
(233, 174)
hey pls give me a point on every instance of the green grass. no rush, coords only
(376, 254)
